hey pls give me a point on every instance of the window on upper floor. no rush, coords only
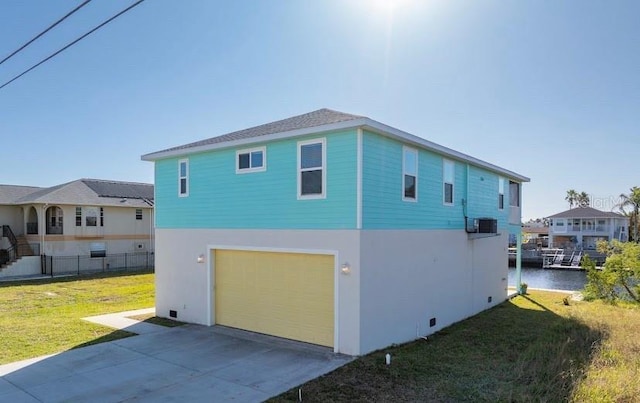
(409, 174)
(448, 176)
(101, 216)
(251, 160)
(312, 169)
(138, 214)
(514, 194)
(91, 216)
(78, 216)
(501, 193)
(183, 178)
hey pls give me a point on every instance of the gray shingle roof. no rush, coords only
(586, 212)
(93, 192)
(10, 193)
(322, 120)
(312, 119)
(120, 189)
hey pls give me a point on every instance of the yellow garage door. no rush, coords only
(287, 295)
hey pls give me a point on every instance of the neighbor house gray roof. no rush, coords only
(10, 193)
(93, 192)
(320, 121)
(586, 212)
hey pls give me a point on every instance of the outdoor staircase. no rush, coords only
(23, 246)
(19, 247)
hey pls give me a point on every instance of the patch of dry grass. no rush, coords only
(532, 348)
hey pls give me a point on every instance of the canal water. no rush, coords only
(570, 280)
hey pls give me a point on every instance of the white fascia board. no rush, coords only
(381, 128)
(349, 124)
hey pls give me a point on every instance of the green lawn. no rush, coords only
(533, 348)
(44, 316)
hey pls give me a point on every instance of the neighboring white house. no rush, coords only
(583, 227)
(84, 217)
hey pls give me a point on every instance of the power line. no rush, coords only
(45, 31)
(70, 44)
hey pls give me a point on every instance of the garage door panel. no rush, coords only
(283, 294)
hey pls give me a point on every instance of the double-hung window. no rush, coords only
(183, 178)
(78, 216)
(312, 167)
(251, 160)
(448, 176)
(501, 193)
(409, 174)
(138, 214)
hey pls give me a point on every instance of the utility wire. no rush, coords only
(70, 44)
(45, 31)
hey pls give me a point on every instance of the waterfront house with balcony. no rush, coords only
(86, 217)
(583, 227)
(333, 229)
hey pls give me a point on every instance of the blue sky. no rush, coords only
(545, 88)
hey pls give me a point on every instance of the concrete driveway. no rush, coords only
(188, 364)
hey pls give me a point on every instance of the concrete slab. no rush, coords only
(123, 321)
(187, 363)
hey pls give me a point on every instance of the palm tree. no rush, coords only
(572, 197)
(632, 201)
(583, 199)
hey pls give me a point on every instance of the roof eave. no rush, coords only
(366, 123)
(383, 129)
(347, 124)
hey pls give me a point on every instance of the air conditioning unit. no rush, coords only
(487, 225)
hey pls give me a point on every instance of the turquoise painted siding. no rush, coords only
(483, 196)
(220, 198)
(382, 204)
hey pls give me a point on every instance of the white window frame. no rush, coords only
(406, 150)
(185, 177)
(250, 151)
(501, 192)
(446, 162)
(323, 168)
(517, 197)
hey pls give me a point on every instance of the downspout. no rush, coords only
(465, 203)
(519, 244)
(519, 259)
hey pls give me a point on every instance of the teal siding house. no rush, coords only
(330, 228)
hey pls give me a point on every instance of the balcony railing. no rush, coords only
(591, 229)
(32, 228)
(54, 230)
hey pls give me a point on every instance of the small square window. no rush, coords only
(251, 160)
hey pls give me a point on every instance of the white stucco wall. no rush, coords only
(12, 216)
(121, 232)
(26, 266)
(184, 285)
(409, 277)
(398, 281)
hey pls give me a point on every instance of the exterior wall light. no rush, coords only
(200, 259)
(346, 268)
